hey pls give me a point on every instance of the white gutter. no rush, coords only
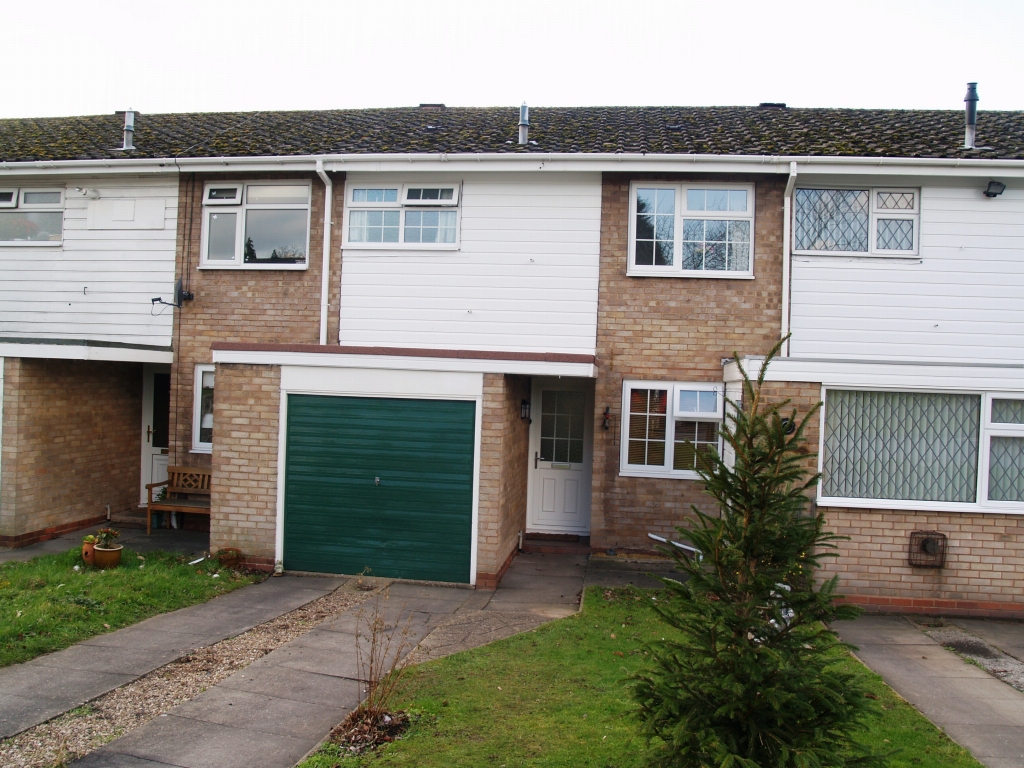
(325, 282)
(787, 264)
(528, 161)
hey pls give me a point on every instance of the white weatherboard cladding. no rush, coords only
(525, 277)
(98, 286)
(961, 299)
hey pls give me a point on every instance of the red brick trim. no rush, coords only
(45, 534)
(491, 580)
(265, 564)
(462, 354)
(937, 606)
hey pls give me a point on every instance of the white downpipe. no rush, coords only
(325, 283)
(787, 261)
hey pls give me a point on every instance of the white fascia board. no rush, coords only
(83, 352)
(402, 363)
(885, 375)
(533, 161)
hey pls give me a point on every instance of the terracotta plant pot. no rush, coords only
(88, 554)
(107, 558)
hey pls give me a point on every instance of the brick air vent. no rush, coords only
(927, 549)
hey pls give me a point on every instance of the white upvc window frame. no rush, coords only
(241, 206)
(681, 214)
(18, 203)
(13, 202)
(673, 414)
(197, 405)
(987, 430)
(403, 207)
(874, 214)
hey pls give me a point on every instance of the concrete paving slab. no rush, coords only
(299, 685)
(133, 661)
(260, 712)
(103, 759)
(608, 572)
(142, 635)
(200, 744)
(978, 711)
(32, 695)
(20, 712)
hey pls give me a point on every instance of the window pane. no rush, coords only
(6, 197)
(901, 445)
(647, 409)
(373, 226)
(831, 220)
(561, 426)
(693, 440)
(895, 235)
(275, 237)
(1006, 469)
(374, 195)
(206, 408)
(41, 198)
(706, 240)
(896, 201)
(1008, 411)
(277, 194)
(32, 226)
(221, 244)
(223, 193)
(431, 193)
(717, 200)
(695, 200)
(429, 227)
(737, 200)
(655, 227)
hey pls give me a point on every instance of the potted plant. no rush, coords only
(88, 545)
(107, 554)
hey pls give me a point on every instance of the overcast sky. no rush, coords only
(89, 56)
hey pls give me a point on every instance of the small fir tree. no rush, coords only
(757, 679)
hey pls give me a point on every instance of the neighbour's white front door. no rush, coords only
(561, 455)
(156, 409)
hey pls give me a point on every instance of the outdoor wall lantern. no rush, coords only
(995, 189)
(524, 410)
(607, 418)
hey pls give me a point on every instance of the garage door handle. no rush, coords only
(376, 481)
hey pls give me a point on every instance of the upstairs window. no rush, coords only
(699, 230)
(254, 226)
(31, 216)
(876, 222)
(668, 427)
(414, 215)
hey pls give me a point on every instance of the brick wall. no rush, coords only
(670, 329)
(244, 304)
(244, 482)
(71, 445)
(504, 448)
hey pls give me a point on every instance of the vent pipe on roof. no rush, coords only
(971, 114)
(129, 130)
(524, 124)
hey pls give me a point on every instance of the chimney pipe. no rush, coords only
(524, 124)
(971, 114)
(129, 130)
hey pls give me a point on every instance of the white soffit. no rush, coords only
(85, 352)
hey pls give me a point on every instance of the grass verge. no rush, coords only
(556, 697)
(46, 605)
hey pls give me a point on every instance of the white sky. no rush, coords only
(86, 57)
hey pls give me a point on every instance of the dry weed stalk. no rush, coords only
(380, 664)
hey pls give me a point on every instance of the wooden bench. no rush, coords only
(188, 491)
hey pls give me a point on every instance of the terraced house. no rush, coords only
(415, 340)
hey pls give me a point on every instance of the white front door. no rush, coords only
(561, 455)
(156, 410)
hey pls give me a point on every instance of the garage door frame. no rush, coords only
(368, 382)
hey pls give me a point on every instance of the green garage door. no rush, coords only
(384, 484)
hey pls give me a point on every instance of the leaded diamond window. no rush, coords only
(895, 235)
(856, 221)
(913, 446)
(1006, 469)
(832, 219)
(1007, 411)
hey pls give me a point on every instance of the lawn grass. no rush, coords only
(556, 697)
(46, 605)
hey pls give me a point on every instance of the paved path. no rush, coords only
(280, 707)
(976, 710)
(43, 688)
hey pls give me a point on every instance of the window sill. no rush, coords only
(258, 267)
(31, 243)
(997, 508)
(698, 275)
(202, 449)
(859, 254)
(665, 474)
(406, 247)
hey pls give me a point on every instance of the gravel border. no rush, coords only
(74, 734)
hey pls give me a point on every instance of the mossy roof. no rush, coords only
(673, 130)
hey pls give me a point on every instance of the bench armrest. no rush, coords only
(149, 492)
(157, 485)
